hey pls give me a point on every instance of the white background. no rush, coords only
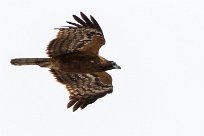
(159, 92)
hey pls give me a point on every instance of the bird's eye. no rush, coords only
(113, 63)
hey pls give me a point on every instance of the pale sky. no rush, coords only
(158, 92)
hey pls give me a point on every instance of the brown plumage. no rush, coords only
(74, 61)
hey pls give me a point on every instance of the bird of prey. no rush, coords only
(75, 62)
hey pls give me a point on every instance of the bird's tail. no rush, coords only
(43, 62)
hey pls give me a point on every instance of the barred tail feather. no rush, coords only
(43, 62)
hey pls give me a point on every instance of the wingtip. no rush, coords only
(70, 105)
(81, 13)
(74, 16)
(74, 109)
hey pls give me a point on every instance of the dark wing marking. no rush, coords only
(86, 19)
(84, 89)
(79, 20)
(86, 35)
(96, 25)
(75, 24)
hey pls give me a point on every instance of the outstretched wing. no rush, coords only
(84, 89)
(86, 35)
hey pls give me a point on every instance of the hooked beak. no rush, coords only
(116, 67)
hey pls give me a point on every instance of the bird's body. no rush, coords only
(79, 63)
(74, 61)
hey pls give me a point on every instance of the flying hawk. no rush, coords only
(75, 62)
